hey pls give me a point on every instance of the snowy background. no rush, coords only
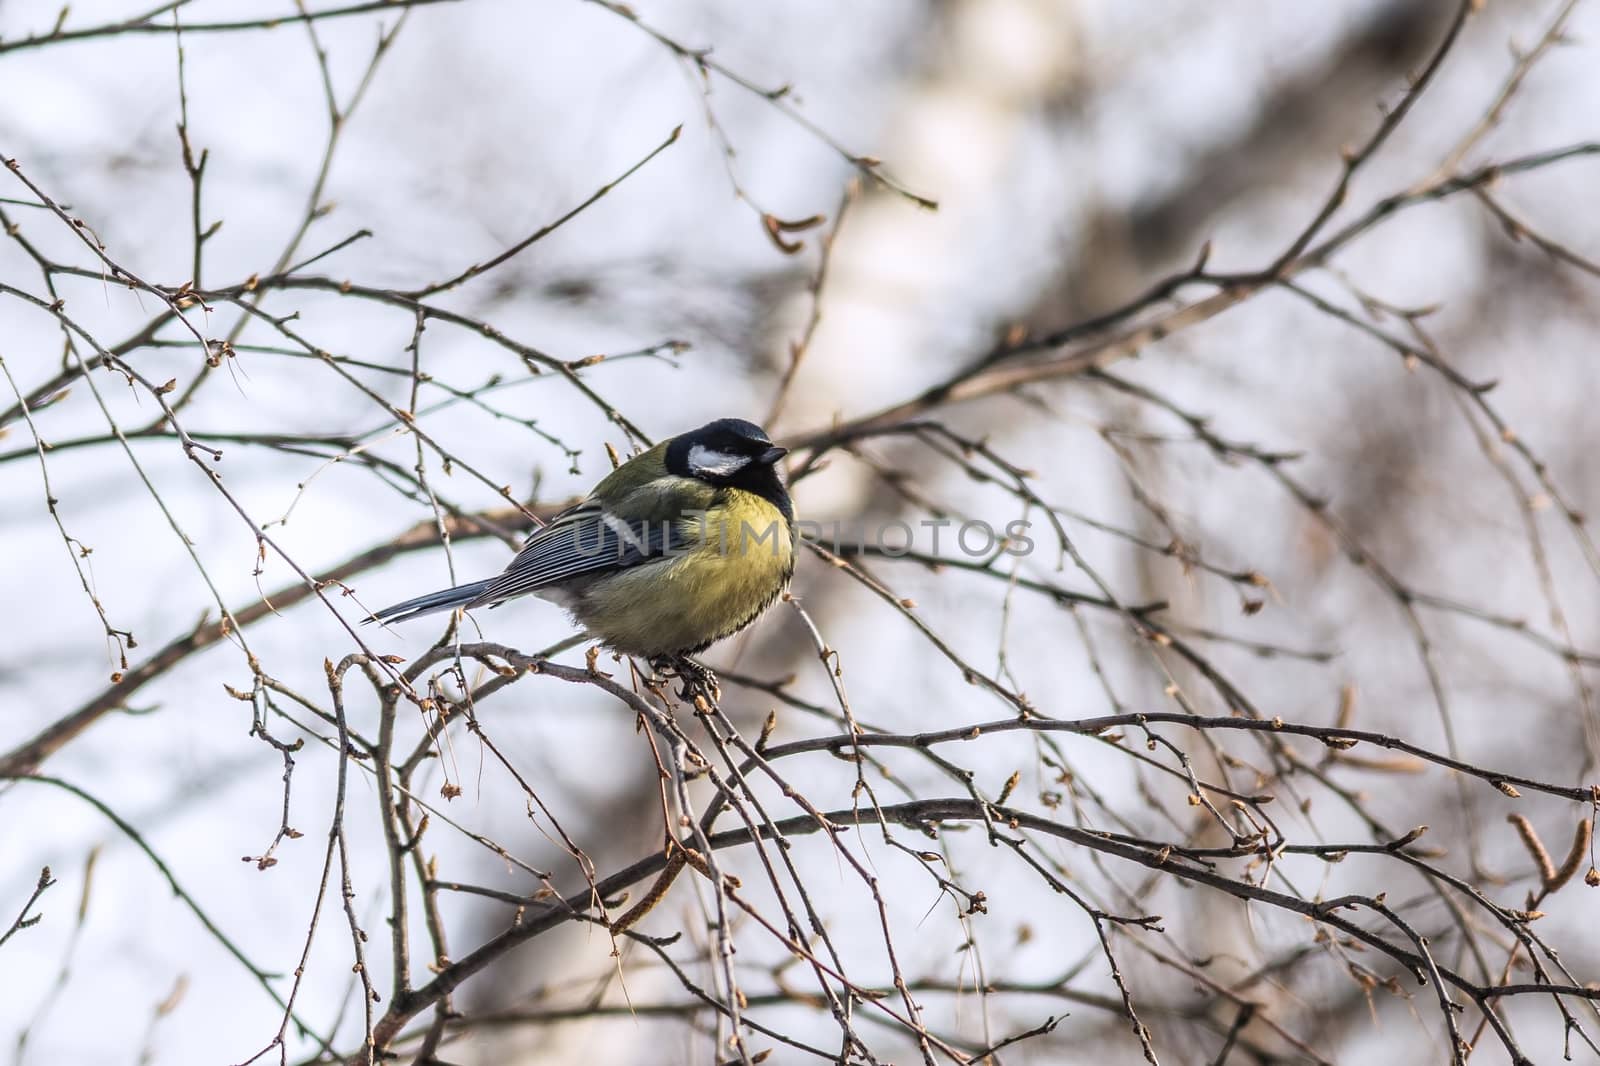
(1078, 152)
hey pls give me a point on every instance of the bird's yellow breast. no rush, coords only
(738, 559)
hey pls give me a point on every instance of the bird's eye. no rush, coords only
(709, 462)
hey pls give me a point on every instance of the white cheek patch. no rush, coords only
(703, 461)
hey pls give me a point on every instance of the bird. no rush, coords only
(681, 546)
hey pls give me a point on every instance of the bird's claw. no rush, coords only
(699, 682)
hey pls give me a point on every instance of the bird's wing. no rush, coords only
(586, 540)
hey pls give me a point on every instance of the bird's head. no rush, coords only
(723, 452)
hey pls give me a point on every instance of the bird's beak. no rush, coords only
(772, 455)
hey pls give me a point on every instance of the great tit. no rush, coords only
(677, 548)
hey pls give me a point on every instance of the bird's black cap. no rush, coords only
(728, 431)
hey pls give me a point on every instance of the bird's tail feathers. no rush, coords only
(443, 600)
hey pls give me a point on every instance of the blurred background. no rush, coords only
(1420, 567)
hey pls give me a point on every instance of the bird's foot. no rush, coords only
(698, 681)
